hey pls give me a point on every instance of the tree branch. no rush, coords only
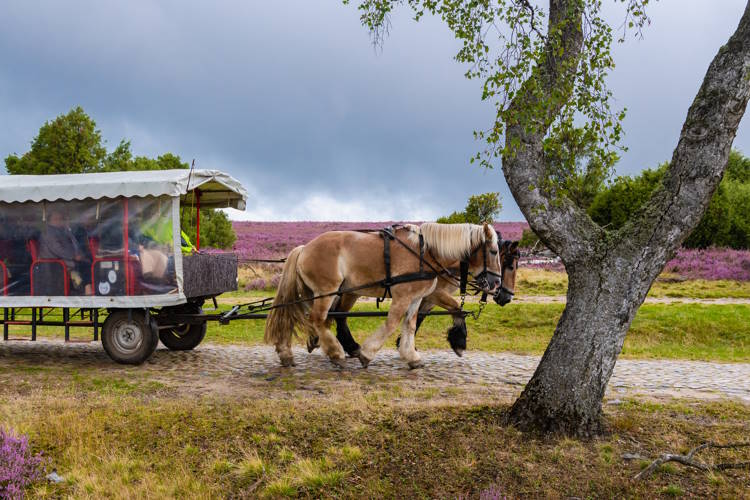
(563, 226)
(690, 462)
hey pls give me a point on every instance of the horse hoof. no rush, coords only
(288, 362)
(413, 365)
(312, 344)
(353, 354)
(338, 362)
(459, 352)
(364, 360)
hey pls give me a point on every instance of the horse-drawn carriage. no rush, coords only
(106, 250)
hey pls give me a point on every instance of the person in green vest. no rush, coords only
(186, 244)
(155, 228)
(156, 231)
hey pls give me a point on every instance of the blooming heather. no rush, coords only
(711, 264)
(18, 466)
(273, 240)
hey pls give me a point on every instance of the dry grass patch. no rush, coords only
(530, 282)
(137, 444)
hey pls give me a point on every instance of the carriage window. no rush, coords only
(112, 247)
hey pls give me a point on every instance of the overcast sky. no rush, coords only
(290, 97)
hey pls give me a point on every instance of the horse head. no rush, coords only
(509, 256)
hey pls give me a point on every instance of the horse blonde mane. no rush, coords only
(450, 241)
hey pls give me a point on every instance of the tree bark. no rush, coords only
(611, 273)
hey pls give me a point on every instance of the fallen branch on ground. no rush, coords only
(690, 462)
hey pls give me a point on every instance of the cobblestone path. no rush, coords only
(560, 299)
(495, 371)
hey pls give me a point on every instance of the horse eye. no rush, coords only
(493, 252)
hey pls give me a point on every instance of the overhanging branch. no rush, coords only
(563, 226)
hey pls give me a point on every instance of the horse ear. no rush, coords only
(488, 232)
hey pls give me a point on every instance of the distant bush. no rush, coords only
(480, 209)
(613, 206)
(216, 228)
(18, 466)
(454, 218)
(528, 239)
(726, 222)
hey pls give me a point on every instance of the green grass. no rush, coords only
(719, 332)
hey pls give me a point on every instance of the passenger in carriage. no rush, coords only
(59, 242)
(14, 255)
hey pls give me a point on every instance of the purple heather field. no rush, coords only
(273, 240)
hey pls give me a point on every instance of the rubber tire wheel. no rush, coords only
(183, 338)
(118, 325)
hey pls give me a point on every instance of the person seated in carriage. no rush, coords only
(14, 255)
(58, 241)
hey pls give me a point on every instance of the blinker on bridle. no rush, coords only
(481, 278)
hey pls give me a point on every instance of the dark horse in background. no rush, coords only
(443, 296)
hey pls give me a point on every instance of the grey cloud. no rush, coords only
(291, 97)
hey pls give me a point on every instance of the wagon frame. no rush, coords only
(133, 312)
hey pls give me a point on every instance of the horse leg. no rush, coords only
(318, 320)
(424, 308)
(343, 334)
(406, 347)
(375, 341)
(313, 342)
(457, 334)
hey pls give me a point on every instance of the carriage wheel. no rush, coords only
(187, 336)
(184, 337)
(129, 337)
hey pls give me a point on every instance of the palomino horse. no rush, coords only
(443, 296)
(352, 263)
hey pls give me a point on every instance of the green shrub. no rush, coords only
(216, 228)
(528, 239)
(480, 209)
(726, 222)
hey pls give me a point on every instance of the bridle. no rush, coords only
(481, 281)
(507, 263)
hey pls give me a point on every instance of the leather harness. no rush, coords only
(389, 281)
(388, 235)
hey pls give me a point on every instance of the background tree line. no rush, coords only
(726, 222)
(71, 144)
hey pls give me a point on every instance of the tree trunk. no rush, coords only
(611, 273)
(565, 394)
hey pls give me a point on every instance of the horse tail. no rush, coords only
(290, 316)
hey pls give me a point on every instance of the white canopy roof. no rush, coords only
(217, 189)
